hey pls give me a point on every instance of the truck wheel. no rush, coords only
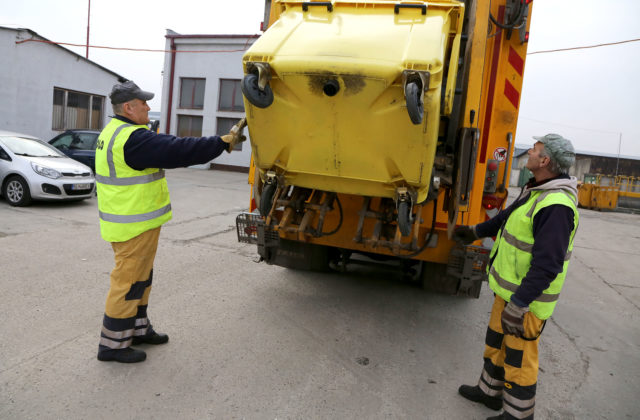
(404, 218)
(266, 199)
(251, 91)
(435, 279)
(16, 191)
(415, 107)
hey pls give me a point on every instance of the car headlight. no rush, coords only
(44, 171)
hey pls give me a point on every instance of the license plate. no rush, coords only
(80, 186)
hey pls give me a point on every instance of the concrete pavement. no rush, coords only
(254, 341)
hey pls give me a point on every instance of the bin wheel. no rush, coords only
(404, 218)
(266, 198)
(251, 91)
(415, 106)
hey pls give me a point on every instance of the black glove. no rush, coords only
(513, 319)
(464, 234)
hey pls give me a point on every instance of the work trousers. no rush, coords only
(511, 364)
(125, 314)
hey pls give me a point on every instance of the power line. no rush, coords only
(570, 126)
(132, 49)
(245, 47)
(585, 47)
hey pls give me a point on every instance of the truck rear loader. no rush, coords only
(377, 127)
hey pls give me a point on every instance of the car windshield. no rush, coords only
(30, 147)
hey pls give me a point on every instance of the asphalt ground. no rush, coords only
(252, 341)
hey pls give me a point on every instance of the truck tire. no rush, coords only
(435, 279)
(255, 95)
(415, 107)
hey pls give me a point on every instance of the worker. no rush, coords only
(133, 203)
(527, 268)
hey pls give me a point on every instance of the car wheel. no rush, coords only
(16, 191)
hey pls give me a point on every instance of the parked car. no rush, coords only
(31, 169)
(79, 145)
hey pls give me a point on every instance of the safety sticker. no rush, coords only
(500, 154)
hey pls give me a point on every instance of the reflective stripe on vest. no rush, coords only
(134, 218)
(512, 251)
(130, 201)
(513, 287)
(132, 180)
(524, 246)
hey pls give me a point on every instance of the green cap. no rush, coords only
(559, 149)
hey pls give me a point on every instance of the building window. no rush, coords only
(71, 110)
(189, 126)
(223, 126)
(230, 96)
(191, 93)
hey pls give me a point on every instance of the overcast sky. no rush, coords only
(591, 96)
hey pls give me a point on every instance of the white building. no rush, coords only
(46, 88)
(201, 93)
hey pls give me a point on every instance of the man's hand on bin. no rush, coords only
(235, 135)
(465, 234)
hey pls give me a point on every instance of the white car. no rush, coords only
(33, 170)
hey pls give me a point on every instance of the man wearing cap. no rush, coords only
(133, 202)
(527, 268)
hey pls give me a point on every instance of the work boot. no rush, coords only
(473, 393)
(151, 337)
(126, 355)
(498, 417)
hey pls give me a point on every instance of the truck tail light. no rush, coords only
(491, 201)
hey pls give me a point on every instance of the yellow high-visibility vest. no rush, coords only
(130, 202)
(514, 244)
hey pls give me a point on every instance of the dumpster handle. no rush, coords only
(397, 7)
(306, 4)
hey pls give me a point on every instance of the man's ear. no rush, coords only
(545, 161)
(126, 108)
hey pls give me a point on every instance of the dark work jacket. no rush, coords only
(146, 149)
(552, 227)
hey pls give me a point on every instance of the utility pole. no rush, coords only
(618, 160)
(88, 19)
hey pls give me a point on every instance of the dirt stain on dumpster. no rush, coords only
(351, 83)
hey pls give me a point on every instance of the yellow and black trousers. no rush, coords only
(511, 364)
(125, 314)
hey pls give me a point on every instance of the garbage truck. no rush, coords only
(376, 128)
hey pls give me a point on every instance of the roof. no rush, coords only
(172, 34)
(35, 34)
(5, 133)
(519, 151)
(587, 153)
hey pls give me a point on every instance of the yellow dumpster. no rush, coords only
(345, 96)
(584, 195)
(604, 197)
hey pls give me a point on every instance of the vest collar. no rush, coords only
(124, 119)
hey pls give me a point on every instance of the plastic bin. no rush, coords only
(339, 119)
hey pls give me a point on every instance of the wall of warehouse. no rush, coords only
(29, 75)
(212, 67)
